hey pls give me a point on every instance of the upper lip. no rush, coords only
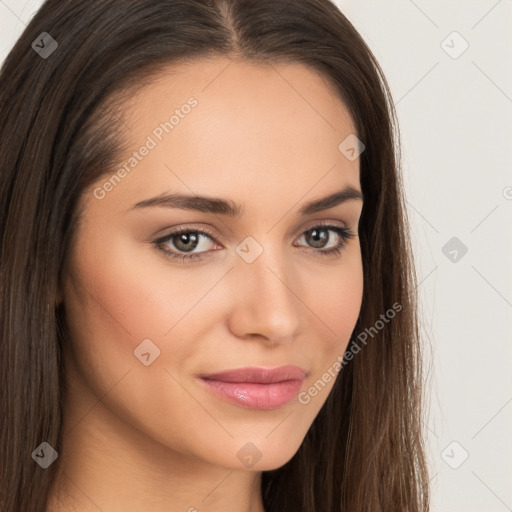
(259, 375)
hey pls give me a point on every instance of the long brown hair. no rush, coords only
(60, 131)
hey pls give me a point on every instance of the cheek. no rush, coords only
(340, 300)
(115, 298)
(336, 306)
(129, 293)
(118, 295)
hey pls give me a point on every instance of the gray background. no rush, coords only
(454, 110)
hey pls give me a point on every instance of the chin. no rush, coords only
(260, 454)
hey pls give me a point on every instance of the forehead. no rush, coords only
(252, 131)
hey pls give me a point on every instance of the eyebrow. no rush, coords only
(227, 207)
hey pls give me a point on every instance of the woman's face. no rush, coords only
(260, 289)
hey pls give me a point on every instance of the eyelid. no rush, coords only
(315, 223)
(186, 229)
(189, 227)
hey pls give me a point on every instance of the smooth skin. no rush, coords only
(140, 437)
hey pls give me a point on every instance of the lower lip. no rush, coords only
(253, 395)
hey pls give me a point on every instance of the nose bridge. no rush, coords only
(265, 304)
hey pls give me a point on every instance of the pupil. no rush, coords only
(185, 239)
(318, 238)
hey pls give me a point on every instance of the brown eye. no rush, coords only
(181, 243)
(185, 240)
(318, 237)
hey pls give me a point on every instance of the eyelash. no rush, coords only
(344, 234)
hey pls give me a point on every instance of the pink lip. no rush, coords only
(256, 388)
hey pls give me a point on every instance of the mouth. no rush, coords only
(256, 388)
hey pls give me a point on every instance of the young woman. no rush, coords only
(207, 289)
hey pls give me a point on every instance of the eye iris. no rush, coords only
(318, 238)
(186, 238)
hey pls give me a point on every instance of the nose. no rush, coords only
(265, 305)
